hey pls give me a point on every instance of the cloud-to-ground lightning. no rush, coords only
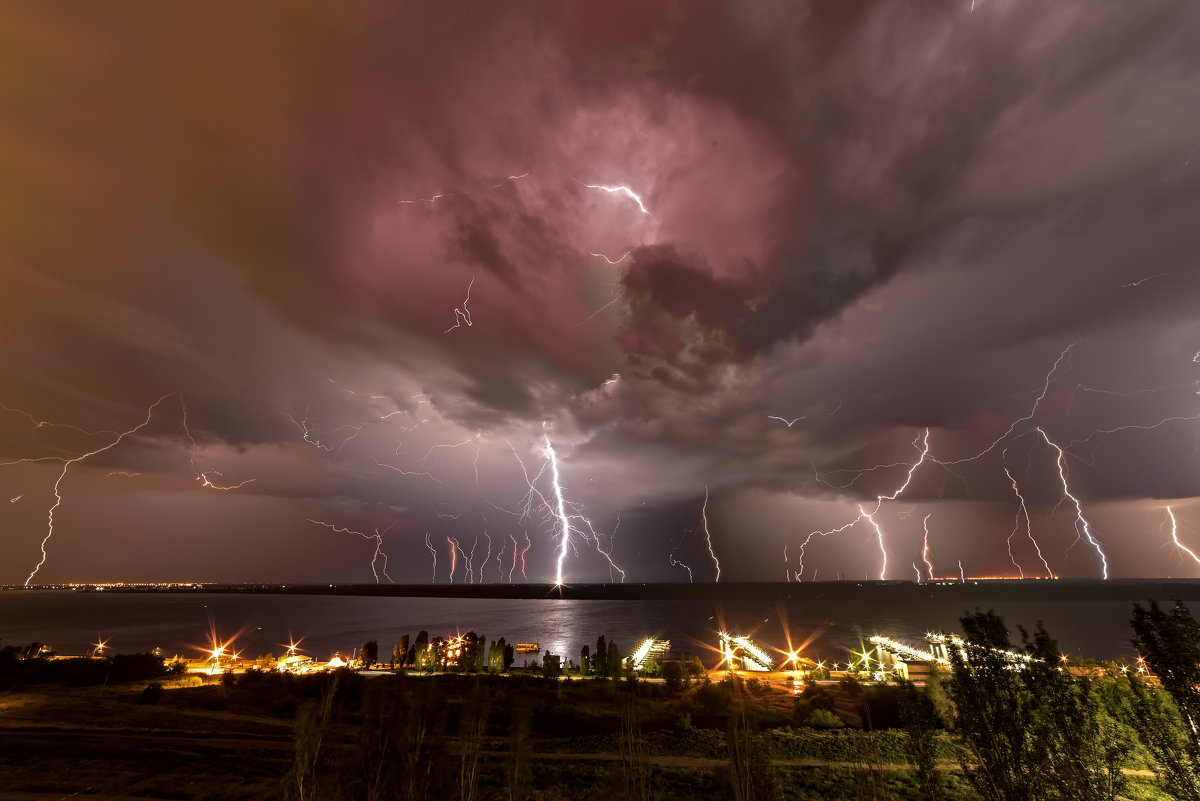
(557, 509)
(788, 423)
(708, 536)
(377, 537)
(463, 316)
(66, 466)
(925, 557)
(1175, 537)
(455, 550)
(962, 576)
(1024, 512)
(560, 511)
(863, 514)
(1082, 527)
(676, 563)
(433, 553)
(624, 190)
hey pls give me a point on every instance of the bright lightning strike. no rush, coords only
(463, 316)
(1175, 537)
(1082, 527)
(67, 466)
(925, 547)
(623, 257)
(1024, 512)
(624, 190)
(788, 423)
(433, 553)
(676, 563)
(870, 516)
(708, 535)
(377, 537)
(561, 511)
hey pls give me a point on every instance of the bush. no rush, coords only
(151, 694)
(821, 718)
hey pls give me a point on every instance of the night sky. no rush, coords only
(742, 265)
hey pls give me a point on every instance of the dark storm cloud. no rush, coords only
(864, 218)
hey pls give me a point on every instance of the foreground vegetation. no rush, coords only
(980, 730)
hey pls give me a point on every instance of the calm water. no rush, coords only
(179, 623)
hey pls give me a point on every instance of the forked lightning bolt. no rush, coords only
(623, 190)
(708, 536)
(1082, 527)
(377, 537)
(1175, 538)
(863, 514)
(66, 466)
(463, 316)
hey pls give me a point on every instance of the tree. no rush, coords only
(601, 657)
(994, 716)
(584, 660)
(1166, 720)
(674, 674)
(1170, 644)
(551, 666)
(614, 660)
(481, 661)
(420, 649)
(510, 655)
(1084, 747)
(368, 653)
(920, 726)
(400, 652)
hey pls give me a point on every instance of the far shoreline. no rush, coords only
(971, 591)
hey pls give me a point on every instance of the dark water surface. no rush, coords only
(179, 623)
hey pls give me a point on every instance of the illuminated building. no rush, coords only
(741, 654)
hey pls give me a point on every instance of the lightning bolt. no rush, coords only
(917, 570)
(14, 500)
(925, 547)
(406, 472)
(433, 553)
(788, 423)
(203, 477)
(676, 563)
(560, 511)
(463, 316)
(525, 550)
(708, 536)
(1023, 512)
(487, 557)
(623, 190)
(1065, 356)
(470, 558)
(863, 514)
(309, 434)
(1175, 537)
(377, 537)
(455, 550)
(557, 509)
(472, 441)
(962, 577)
(66, 466)
(1082, 527)
(623, 257)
